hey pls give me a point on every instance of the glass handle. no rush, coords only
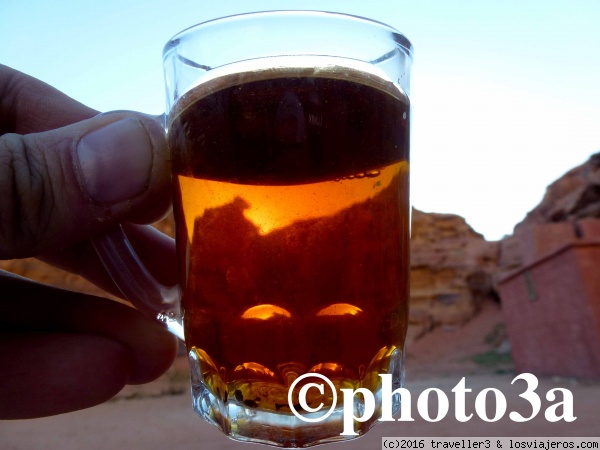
(135, 282)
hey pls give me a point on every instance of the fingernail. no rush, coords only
(115, 161)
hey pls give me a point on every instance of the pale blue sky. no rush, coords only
(506, 95)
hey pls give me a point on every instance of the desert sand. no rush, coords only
(159, 415)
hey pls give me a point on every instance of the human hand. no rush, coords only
(67, 174)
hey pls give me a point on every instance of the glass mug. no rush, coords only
(289, 134)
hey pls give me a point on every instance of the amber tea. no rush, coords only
(293, 226)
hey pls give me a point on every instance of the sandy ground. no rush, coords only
(159, 415)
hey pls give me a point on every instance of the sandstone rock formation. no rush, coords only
(548, 279)
(573, 197)
(453, 268)
(37, 270)
(451, 271)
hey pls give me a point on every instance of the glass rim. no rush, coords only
(401, 39)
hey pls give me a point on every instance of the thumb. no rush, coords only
(65, 185)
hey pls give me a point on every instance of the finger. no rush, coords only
(61, 186)
(131, 348)
(156, 250)
(54, 373)
(28, 105)
(33, 306)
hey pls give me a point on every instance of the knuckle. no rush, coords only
(27, 202)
